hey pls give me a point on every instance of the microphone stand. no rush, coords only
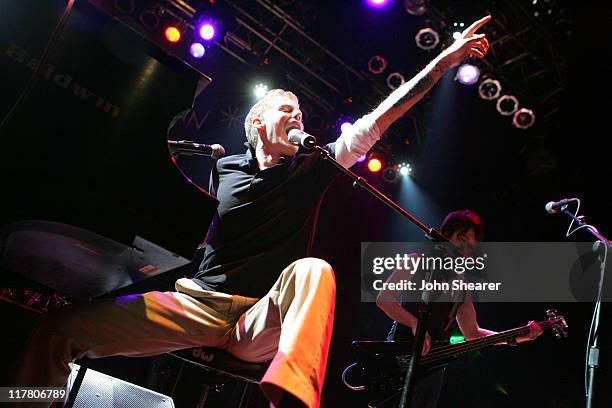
(593, 352)
(430, 233)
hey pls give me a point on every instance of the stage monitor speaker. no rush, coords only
(103, 391)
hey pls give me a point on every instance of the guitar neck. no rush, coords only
(444, 353)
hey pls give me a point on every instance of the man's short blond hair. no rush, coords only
(258, 109)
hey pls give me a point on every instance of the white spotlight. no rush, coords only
(456, 35)
(523, 118)
(404, 169)
(427, 39)
(389, 174)
(415, 7)
(468, 74)
(507, 105)
(260, 90)
(489, 89)
(395, 80)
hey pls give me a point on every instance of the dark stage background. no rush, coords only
(88, 148)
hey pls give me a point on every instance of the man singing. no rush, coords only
(257, 293)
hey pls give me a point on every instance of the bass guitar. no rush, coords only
(384, 363)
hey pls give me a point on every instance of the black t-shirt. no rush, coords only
(266, 219)
(442, 311)
(439, 325)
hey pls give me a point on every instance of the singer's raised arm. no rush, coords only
(355, 142)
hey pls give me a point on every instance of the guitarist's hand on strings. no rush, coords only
(534, 332)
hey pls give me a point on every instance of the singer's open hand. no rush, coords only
(469, 43)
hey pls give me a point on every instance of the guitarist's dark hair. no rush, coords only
(461, 221)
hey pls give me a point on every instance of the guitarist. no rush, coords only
(465, 230)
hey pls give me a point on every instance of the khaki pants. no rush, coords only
(291, 325)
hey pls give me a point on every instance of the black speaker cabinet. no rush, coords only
(103, 391)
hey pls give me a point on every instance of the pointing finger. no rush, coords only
(476, 38)
(468, 32)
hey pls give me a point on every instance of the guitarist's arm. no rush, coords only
(468, 324)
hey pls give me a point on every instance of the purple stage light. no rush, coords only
(377, 3)
(197, 50)
(468, 74)
(344, 127)
(207, 31)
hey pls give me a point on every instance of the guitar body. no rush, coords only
(384, 365)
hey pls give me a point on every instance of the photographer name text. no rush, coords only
(456, 284)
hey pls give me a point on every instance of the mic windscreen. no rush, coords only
(217, 151)
(300, 138)
(549, 207)
(295, 136)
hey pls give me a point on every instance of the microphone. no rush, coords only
(187, 147)
(300, 138)
(553, 207)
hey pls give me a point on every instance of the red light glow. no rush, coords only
(173, 34)
(374, 165)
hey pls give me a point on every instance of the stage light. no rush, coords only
(197, 50)
(456, 35)
(427, 39)
(361, 159)
(345, 127)
(507, 105)
(468, 74)
(523, 118)
(207, 31)
(390, 174)
(344, 123)
(404, 169)
(172, 34)
(377, 3)
(150, 18)
(415, 7)
(125, 7)
(374, 165)
(377, 64)
(395, 80)
(489, 89)
(260, 90)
